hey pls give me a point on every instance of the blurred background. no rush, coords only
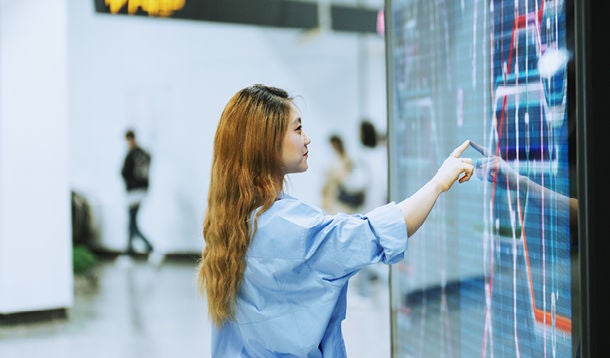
(75, 75)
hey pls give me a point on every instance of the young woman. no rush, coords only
(345, 181)
(275, 269)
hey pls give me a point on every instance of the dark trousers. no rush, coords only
(134, 231)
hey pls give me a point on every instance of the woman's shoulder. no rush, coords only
(289, 209)
(287, 217)
(291, 203)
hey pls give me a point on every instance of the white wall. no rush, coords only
(170, 79)
(35, 231)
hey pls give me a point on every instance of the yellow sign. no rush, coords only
(161, 8)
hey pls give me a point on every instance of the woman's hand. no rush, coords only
(416, 208)
(454, 168)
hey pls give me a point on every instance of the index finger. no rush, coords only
(479, 148)
(459, 150)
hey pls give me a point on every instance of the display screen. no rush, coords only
(489, 274)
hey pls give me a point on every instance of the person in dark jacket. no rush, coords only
(135, 175)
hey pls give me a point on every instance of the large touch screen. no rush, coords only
(489, 273)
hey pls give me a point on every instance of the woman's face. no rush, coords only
(294, 145)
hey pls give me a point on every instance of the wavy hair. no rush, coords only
(246, 174)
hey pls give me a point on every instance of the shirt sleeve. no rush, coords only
(340, 245)
(335, 246)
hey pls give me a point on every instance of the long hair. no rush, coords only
(246, 174)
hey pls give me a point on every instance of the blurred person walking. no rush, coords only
(275, 269)
(135, 173)
(373, 151)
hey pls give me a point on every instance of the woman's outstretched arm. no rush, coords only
(416, 207)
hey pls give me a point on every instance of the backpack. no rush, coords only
(141, 164)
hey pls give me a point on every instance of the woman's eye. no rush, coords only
(299, 128)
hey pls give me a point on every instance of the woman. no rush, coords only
(345, 181)
(274, 268)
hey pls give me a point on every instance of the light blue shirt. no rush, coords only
(293, 295)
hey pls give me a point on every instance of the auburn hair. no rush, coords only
(246, 174)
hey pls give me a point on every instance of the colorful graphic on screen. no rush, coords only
(489, 273)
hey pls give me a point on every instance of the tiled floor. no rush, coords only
(143, 310)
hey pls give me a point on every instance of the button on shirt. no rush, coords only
(294, 291)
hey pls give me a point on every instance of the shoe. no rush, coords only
(155, 259)
(124, 261)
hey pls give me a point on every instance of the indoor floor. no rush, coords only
(138, 309)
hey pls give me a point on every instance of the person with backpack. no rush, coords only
(135, 175)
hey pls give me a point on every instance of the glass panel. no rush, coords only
(489, 273)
